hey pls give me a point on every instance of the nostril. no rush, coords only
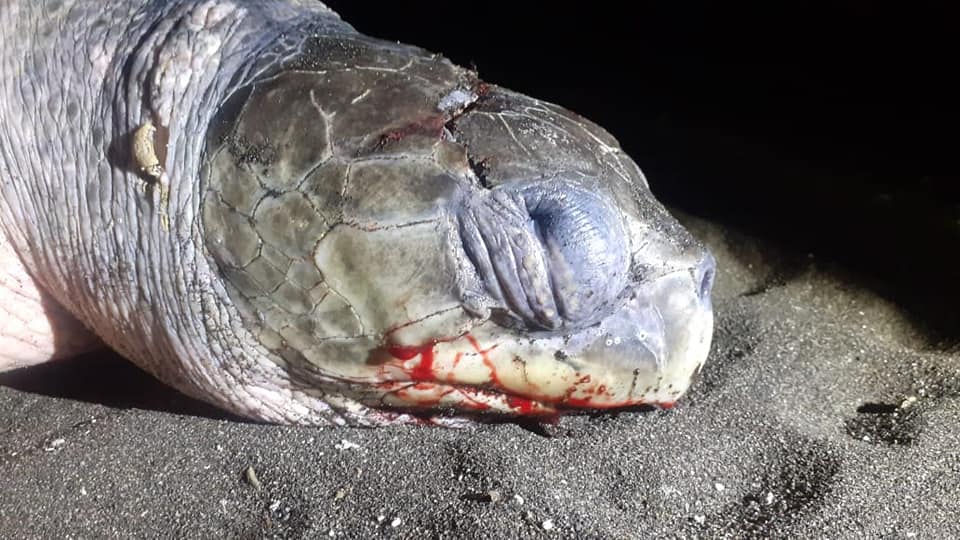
(707, 271)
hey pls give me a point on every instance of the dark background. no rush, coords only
(828, 128)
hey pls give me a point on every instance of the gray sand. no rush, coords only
(822, 412)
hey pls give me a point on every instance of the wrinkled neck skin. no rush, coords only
(87, 75)
(359, 232)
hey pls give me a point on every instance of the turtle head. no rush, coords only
(597, 296)
(398, 235)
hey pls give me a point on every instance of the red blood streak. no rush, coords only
(431, 126)
(422, 371)
(470, 400)
(402, 352)
(415, 400)
(486, 359)
(422, 374)
(521, 405)
(451, 375)
(589, 403)
(474, 405)
(389, 386)
(580, 403)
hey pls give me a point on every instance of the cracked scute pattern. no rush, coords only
(369, 204)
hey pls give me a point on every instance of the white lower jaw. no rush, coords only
(489, 370)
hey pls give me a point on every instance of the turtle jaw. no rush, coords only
(645, 353)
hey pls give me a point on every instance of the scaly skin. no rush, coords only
(357, 231)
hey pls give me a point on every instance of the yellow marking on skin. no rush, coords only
(145, 156)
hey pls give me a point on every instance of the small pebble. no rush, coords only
(346, 445)
(55, 444)
(491, 496)
(547, 524)
(252, 479)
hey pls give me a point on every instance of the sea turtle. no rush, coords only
(301, 224)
